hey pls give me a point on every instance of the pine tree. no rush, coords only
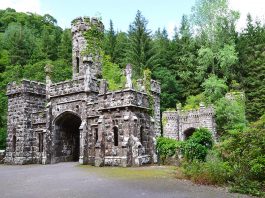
(251, 46)
(141, 53)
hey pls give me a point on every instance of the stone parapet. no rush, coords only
(123, 98)
(195, 113)
(84, 23)
(76, 85)
(26, 86)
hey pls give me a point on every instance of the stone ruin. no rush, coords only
(180, 125)
(80, 119)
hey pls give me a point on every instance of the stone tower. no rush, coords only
(83, 57)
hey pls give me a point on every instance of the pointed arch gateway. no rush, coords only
(66, 137)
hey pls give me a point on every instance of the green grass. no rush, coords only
(148, 172)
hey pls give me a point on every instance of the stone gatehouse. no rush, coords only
(179, 125)
(80, 119)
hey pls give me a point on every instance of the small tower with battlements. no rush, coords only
(86, 60)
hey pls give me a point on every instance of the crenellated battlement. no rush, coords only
(123, 98)
(72, 86)
(196, 113)
(26, 86)
(82, 24)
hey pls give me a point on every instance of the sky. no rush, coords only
(159, 13)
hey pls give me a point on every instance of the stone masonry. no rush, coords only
(80, 119)
(179, 124)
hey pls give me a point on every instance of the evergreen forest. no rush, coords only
(206, 59)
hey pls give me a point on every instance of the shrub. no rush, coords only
(166, 148)
(208, 173)
(197, 146)
(245, 151)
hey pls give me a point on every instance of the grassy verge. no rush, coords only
(147, 172)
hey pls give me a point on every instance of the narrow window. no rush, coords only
(14, 143)
(96, 135)
(116, 136)
(40, 142)
(77, 64)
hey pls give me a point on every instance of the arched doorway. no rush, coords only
(188, 132)
(66, 138)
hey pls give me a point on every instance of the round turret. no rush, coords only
(80, 25)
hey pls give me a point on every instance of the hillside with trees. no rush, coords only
(205, 59)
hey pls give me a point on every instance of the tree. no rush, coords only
(251, 70)
(214, 22)
(19, 41)
(230, 115)
(185, 61)
(214, 89)
(141, 53)
(65, 47)
(110, 43)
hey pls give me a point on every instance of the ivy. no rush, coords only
(94, 38)
(147, 85)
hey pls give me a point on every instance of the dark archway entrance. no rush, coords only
(188, 132)
(67, 138)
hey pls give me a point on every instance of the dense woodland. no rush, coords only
(205, 59)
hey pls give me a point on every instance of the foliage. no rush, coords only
(214, 89)
(211, 172)
(193, 102)
(141, 53)
(110, 43)
(112, 73)
(230, 115)
(197, 145)
(245, 152)
(147, 85)
(94, 38)
(169, 87)
(166, 148)
(251, 70)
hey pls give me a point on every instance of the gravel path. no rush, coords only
(71, 180)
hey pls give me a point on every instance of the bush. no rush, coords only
(208, 173)
(3, 136)
(166, 148)
(197, 146)
(245, 151)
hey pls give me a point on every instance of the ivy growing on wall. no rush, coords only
(147, 85)
(94, 38)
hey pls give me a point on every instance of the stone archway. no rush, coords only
(66, 137)
(188, 132)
